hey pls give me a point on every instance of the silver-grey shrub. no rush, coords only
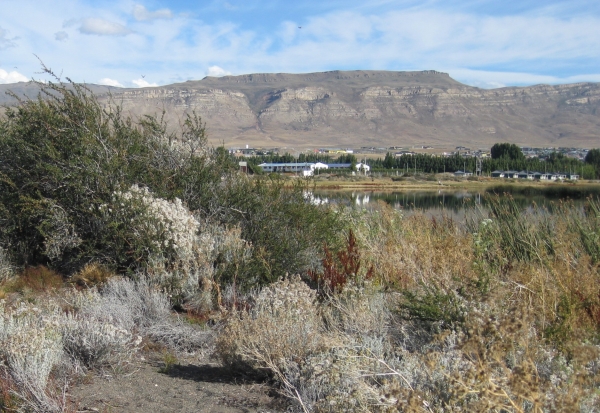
(135, 308)
(96, 344)
(193, 280)
(6, 269)
(30, 347)
(144, 308)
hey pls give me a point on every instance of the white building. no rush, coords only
(304, 168)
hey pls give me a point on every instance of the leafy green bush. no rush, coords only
(81, 183)
(64, 156)
(286, 230)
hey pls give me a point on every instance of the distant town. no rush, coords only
(528, 152)
(549, 163)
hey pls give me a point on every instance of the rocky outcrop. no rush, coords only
(361, 108)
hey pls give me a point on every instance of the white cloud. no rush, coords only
(475, 47)
(5, 42)
(109, 82)
(143, 14)
(61, 36)
(216, 71)
(101, 27)
(11, 77)
(143, 83)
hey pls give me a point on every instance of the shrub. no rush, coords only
(30, 347)
(363, 359)
(283, 324)
(65, 155)
(148, 227)
(126, 303)
(6, 268)
(101, 186)
(127, 309)
(97, 328)
(285, 230)
(95, 343)
(218, 256)
(319, 353)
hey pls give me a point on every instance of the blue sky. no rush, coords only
(485, 43)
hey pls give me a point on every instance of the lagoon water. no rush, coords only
(456, 204)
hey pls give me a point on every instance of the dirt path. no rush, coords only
(191, 386)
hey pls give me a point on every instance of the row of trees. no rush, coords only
(436, 164)
(504, 156)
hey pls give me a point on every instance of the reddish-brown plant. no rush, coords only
(339, 269)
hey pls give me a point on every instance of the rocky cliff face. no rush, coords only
(371, 108)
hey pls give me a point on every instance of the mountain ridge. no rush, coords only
(370, 108)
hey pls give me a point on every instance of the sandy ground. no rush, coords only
(193, 385)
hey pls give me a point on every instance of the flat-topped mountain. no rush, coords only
(368, 108)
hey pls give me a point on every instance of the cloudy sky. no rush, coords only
(485, 43)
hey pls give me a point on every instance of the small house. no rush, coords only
(463, 174)
(525, 175)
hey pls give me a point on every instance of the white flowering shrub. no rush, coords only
(151, 226)
(218, 256)
(168, 222)
(164, 242)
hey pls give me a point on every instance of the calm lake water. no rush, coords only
(457, 203)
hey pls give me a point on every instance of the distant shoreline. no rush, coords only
(410, 184)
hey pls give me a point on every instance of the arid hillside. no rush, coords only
(368, 108)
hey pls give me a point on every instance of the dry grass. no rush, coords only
(91, 275)
(35, 280)
(501, 315)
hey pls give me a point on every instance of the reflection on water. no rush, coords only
(454, 204)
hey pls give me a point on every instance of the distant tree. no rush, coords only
(347, 158)
(593, 158)
(507, 150)
(556, 156)
(389, 161)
